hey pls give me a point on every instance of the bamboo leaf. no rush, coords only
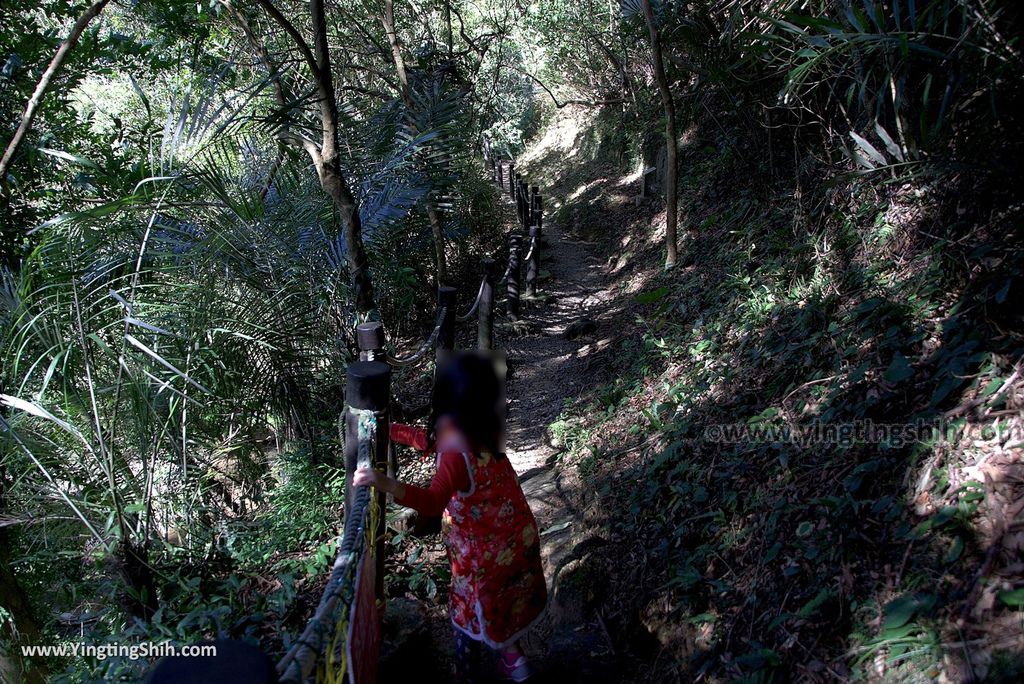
(869, 149)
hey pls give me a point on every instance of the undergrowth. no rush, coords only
(790, 512)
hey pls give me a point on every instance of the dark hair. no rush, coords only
(468, 390)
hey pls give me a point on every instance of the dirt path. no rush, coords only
(549, 368)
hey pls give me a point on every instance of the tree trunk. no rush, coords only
(671, 201)
(44, 85)
(26, 630)
(326, 158)
(335, 186)
(436, 221)
(329, 168)
(448, 26)
(437, 230)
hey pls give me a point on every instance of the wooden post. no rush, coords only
(527, 209)
(538, 217)
(645, 182)
(485, 312)
(534, 197)
(524, 204)
(533, 264)
(446, 338)
(514, 273)
(519, 198)
(368, 387)
(370, 338)
(511, 179)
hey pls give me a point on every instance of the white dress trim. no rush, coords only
(482, 635)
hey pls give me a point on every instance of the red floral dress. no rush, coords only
(498, 588)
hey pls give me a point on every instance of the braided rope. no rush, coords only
(508, 271)
(533, 244)
(323, 630)
(476, 304)
(410, 360)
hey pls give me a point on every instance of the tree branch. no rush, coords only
(559, 105)
(296, 37)
(44, 84)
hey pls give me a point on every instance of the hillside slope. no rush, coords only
(805, 451)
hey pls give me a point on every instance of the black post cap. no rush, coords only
(370, 336)
(367, 385)
(446, 295)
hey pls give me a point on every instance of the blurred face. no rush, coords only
(471, 388)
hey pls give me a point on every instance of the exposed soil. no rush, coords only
(551, 361)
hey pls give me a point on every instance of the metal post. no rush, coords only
(533, 265)
(446, 337)
(368, 386)
(370, 338)
(514, 273)
(485, 314)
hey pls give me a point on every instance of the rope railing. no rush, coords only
(529, 253)
(334, 612)
(340, 642)
(428, 344)
(476, 303)
(505, 275)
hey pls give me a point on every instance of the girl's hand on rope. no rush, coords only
(374, 478)
(367, 477)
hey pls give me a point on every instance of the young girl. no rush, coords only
(498, 589)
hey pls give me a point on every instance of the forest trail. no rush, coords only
(547, 368)
(550, 364)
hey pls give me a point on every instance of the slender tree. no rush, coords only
(45, 81)
(325, 155)
(671, 201)
(433, 214)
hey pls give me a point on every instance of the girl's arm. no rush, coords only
(451, 477)
(369, 477)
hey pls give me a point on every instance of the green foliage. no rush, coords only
(783, 332)
(301, 511)
(175, 302)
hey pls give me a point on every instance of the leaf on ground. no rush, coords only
(652, 296)
(901, 610)
(899, 370)
(1014, 599)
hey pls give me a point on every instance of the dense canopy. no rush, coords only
(200, 200)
